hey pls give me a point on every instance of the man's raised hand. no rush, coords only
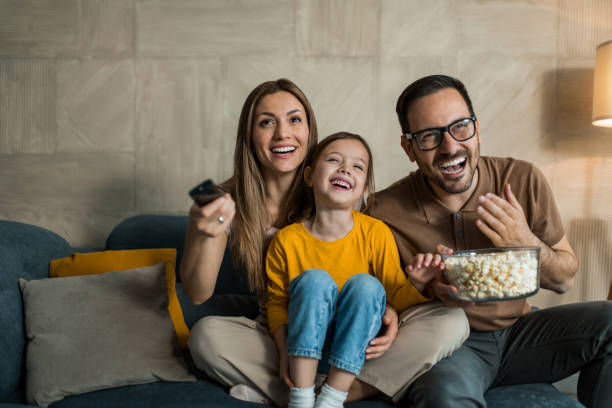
(503, 220)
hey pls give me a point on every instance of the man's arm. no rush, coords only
(558, 266)
(503, 222)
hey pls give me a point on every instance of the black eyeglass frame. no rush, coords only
(412, 136)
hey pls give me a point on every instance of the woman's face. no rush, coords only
(280, 133)
(339, 177)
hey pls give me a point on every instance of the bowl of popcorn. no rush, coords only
(483, 275)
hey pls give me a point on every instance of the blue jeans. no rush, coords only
(323, 321)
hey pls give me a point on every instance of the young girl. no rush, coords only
(331, 276)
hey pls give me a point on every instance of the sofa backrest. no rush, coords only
(168, 231)
(25, 252)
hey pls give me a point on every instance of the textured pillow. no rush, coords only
(100, 262)
(87, 333)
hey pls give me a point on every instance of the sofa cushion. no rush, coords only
(211, 395)
(167, 395)
(101, 262)
(97, 331)
(25, 251)
(179, 395)
(232, 296)
(529, 395)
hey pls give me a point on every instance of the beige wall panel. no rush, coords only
(87, 182)
(107, 27)
(410, 29)
(508, 27)
(514, 100)
(585, 185)
(27, 105)
(394, 75)
(82, 228)
(341, 90)
(214, 27)
(180, 110)
(244, 74)
(110, 108)
(583, 24)
(583, 190)
(591, 239)
(568, 187)
(576, 136)
(341, 27)
(95, 105)
(42, 28)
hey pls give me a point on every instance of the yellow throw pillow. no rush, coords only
(94, 263)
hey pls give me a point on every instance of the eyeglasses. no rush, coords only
(460, 130)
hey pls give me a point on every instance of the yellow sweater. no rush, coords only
(368, 248)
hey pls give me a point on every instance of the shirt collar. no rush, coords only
(433, 207)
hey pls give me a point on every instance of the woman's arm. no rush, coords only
(280, 338)
(205, 243)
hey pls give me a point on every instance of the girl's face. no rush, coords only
(280, 133)
(340, 174)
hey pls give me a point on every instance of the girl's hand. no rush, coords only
(390, 326)
(284, 369)
(424, 269)
(212, 219)
(443, 250)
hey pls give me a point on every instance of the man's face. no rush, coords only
(451, 166)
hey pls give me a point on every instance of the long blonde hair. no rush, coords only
(247, 239)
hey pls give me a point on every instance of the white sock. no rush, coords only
(301, 397)
(330, 397)
(245, 393)
(319, 381)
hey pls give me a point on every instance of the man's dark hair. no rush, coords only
(423, 87)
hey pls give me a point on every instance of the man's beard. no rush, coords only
(449, 186)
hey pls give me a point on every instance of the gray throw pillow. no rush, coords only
(91, 332)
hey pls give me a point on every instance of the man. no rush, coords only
(460, 200)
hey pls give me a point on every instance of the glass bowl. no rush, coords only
(492, 274)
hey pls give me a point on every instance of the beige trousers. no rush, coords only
(237, 350)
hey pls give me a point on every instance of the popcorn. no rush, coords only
(494, 274)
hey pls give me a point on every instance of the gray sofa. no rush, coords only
(25, 252)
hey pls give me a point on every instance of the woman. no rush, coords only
(277, 129)
(276, 132)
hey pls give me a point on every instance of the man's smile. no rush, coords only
(453, 166)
